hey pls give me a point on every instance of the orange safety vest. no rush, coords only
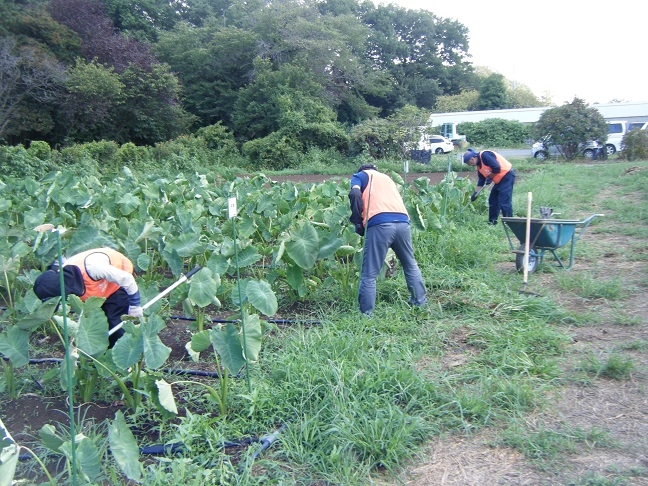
(381, 196)
(486, 171)
(101, 287)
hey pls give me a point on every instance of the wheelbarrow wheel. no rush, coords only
(519, 259)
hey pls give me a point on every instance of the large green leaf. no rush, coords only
(185, 245)
(248, 256)
(155, 352)
(303, 245)
(128, 350)
(262, 297)
(123, 447)
(217, 263)
(14, 344)
(200, 341)
(50, 438)
(416, 218)
(228, 346)
(40, 316)
(128, 203)
(330, 245)
(175, 262)
(87, 456)
(203, 288)
(294, 276)
(92, 336)
(253, 337)
(9, 453)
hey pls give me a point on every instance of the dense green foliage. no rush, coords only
(282, 78)
(495, 132)
(635, 145)
(571, 125)
(80, 70)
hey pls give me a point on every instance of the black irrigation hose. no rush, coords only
(210, 374)
(163, 449)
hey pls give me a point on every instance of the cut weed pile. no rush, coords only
(483, 386)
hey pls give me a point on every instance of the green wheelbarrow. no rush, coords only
(545, 235)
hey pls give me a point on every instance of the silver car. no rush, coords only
(540, 151)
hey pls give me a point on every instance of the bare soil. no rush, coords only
(618, 408)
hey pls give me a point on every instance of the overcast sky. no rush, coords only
(594, 50)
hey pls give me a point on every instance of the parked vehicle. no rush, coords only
(542, 149)
(431, 144)
(440, 144)
(637, 125)
(449, 130)
(616, 132)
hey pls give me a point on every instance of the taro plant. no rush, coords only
(235, 347)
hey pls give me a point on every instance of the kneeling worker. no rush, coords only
(102, 272)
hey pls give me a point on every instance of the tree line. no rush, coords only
(276, 77)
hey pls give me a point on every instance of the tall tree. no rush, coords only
(423, 54)
(213, 63)
(100, 39)
(27, 76)
(492, 93)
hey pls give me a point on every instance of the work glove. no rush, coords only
(488, 181)
(359, 229)
(474, 196)
(135, 311)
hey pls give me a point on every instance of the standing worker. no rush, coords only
(378, 212)
(492, 167)
(102, 272)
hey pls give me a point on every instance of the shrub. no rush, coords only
(634, 145)
(131, 155)
(571, 125)
(217, 137)
(276, 151)
(104, 152)
(40, 150)
(494, 132)
(18, 162)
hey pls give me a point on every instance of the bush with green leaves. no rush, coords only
(495, 132)
(634, 145)
(571, 125)
(18, 162)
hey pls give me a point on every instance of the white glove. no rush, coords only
(135, 311)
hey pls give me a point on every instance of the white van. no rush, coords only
(616, 131)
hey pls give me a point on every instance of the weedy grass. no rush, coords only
(588, 286)
(615, 366)
(545, 446)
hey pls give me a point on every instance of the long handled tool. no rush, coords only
(527, 246)
(180, 281)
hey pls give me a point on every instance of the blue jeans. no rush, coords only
(501, 198)
(378, 239)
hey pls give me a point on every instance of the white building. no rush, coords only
(631, 112)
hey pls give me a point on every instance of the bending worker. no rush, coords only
(376, 202)
(102, 272)
(492, 167)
